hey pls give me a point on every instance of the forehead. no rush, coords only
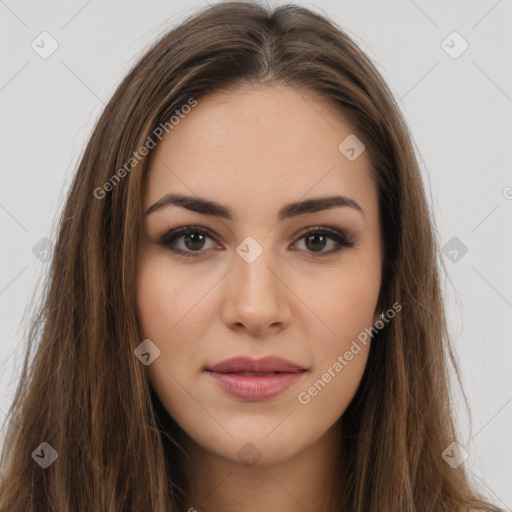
(259, 146)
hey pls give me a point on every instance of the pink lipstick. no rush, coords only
(255, 379)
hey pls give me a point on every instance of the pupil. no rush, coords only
(322, 242)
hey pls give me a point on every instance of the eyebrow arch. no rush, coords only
(290, 210)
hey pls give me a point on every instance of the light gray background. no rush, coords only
(459, 111)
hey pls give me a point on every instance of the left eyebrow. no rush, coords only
(206, 207)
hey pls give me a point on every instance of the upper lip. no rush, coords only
(247, 364)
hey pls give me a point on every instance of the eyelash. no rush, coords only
(169, 239)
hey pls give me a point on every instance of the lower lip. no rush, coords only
(252, 387)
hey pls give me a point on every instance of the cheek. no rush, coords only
(326, 396)
(174, 314)
(345, 303)
(339, 358)
(166, 300)
(346, 307)
(163, 301)
(157, 291)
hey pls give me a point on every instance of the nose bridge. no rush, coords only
(254, 294)
(252, 267)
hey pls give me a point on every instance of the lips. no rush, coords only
(255, 379)
(269, 365)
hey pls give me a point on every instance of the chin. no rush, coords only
(260, 452)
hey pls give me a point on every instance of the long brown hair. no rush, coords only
(85, 393)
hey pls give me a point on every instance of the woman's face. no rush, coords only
(255, 282)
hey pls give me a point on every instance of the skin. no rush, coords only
(254, 150)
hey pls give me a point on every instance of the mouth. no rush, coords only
(255, 380)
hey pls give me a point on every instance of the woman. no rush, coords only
(244, 309)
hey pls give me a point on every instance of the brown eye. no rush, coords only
(317, 239)
(194, 239)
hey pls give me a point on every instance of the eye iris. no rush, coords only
(194, 238)
(313, 237)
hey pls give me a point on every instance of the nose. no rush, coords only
(256, 296)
